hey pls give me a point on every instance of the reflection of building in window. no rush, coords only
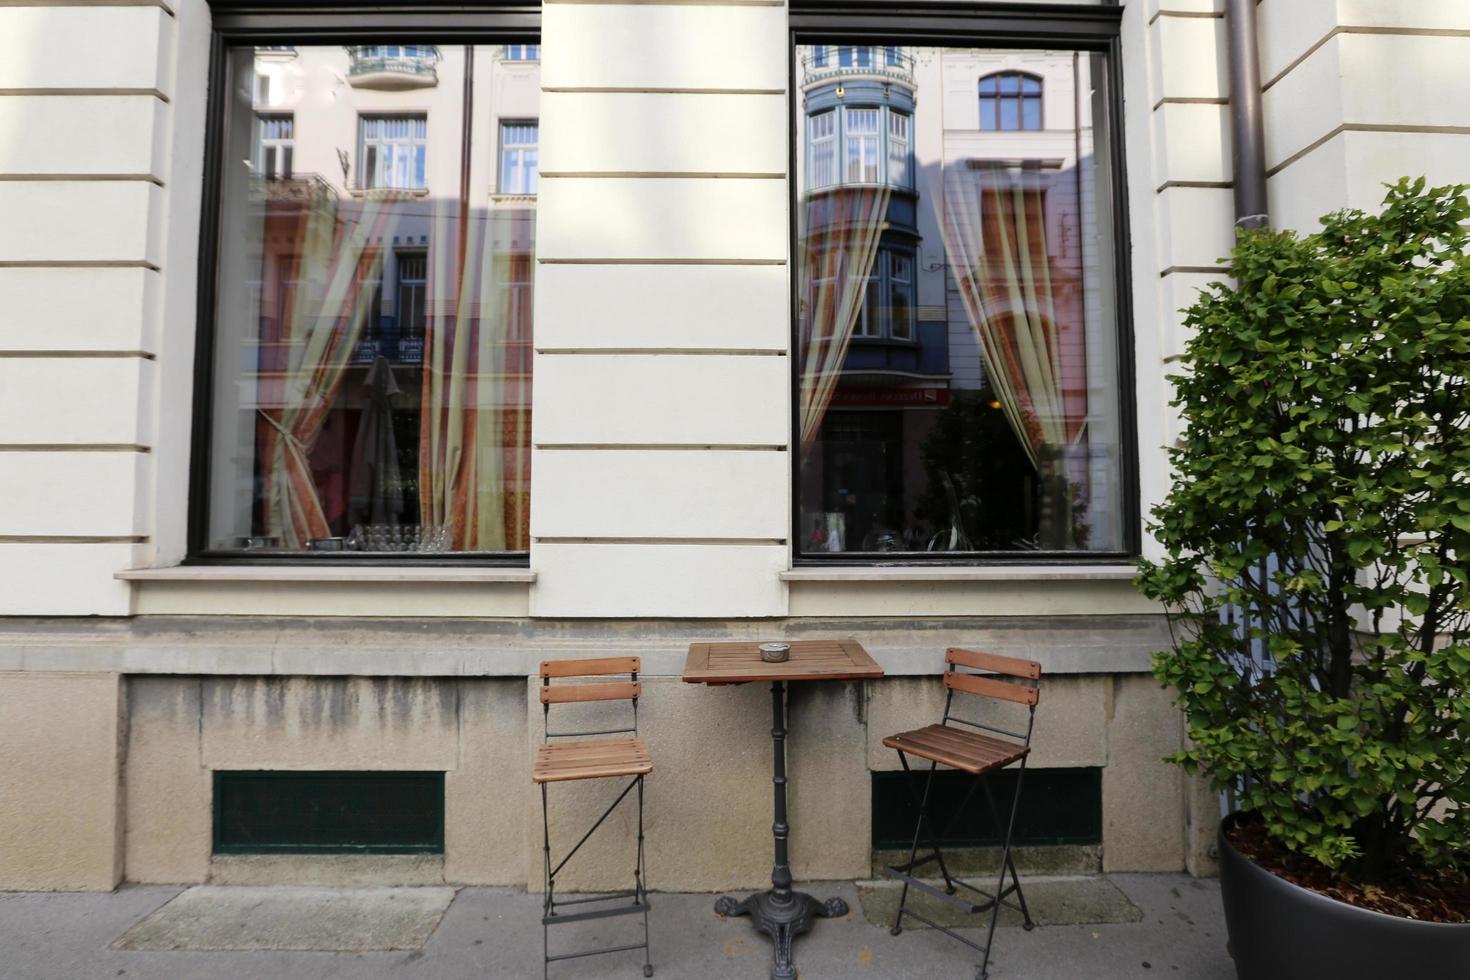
(393, 66)
(523, 52)
(1009, 101)
(518, 157)
(413, 284)
(392, 152)
(274, 145)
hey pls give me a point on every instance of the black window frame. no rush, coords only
(266, 23)
(1005, 25)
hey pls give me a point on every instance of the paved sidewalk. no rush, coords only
(496, 933)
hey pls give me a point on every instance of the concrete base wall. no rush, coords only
(60, 781)
(109, 777)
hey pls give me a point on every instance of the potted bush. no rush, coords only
(1316, 567)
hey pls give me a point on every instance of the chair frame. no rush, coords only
(582, 693)
(1022, 687)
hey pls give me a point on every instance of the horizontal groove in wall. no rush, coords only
(1203, 184)
(151, 92)
(1350, 29)
(73, 447)
(664, 541)
(83, 178)
(554, 261)
(73, 539)
(663, 351)
(53, 354)
(662, 174)
(1211, 270)
(710, 447)
(79, 264)
(1190, 100)
(1368, 128)
(1196, 14)
(656, 90)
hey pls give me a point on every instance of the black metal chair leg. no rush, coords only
(640, 891)
(547, 884)
(1008, 859)
(914, 848)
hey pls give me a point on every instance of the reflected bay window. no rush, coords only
(959, 374)
(368, 353)
(273, 156)
(518, 173)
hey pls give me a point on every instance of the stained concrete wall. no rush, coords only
(708, 799)
(60, 781)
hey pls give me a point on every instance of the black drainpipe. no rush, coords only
(1246, 128)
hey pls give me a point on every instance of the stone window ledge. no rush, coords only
(326, 573)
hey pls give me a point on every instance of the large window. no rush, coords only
(370, 349)
(518, 173)
(393, 151)
(960, 386)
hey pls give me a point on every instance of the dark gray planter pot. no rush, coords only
(1279, 931)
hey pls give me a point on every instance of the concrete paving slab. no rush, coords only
(1052, 902)
(495, 934)
(217, 917)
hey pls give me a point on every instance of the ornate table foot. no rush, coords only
(782, 920)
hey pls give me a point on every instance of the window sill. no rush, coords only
(334, 573)
(977, 573)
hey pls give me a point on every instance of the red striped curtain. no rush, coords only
(337, 248)
(838, 247)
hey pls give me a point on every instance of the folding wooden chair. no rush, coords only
(1006, 679)
(586, 756)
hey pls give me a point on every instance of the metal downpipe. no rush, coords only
(1247, 129)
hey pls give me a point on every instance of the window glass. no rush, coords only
(958, 367)
(372, 329)
(518, 174)
(523, 52)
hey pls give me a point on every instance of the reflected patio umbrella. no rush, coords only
(376, 482)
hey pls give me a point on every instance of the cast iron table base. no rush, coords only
(780, 912)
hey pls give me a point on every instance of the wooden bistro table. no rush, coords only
(781, 913)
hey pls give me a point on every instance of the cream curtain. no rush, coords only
(338, 248)
(993, 223)
(474, 440)
(838, 247)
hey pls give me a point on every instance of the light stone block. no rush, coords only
(661, 218)
(1179, 291)
(46, 579)
(59, 309)
(663, 46)
(1375, 159)
(82, 47)
(1312, 186)
(1450, 15)
(1397, 80)
(485, 795)
(1197, 224)
(644, 494)
(1189, 58)
(84, 134)
(379, 599)
(72, 493)
(1071, 717)
(1305, 105)
(1192, 142)
(681, 307)
(74, 400)
(604, 132)
(1288, 30)
(336, 723)
(938, 598)
(661, 399)
(1143, 796)
(79, 221)
(60, 781)
(169, 815)
(677, 580)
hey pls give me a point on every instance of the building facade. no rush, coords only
(350, 367)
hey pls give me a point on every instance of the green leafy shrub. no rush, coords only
(1322, 488)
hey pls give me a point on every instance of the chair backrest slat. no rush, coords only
(564, 693)
(991, 688)
(996, 664)
(594, 667)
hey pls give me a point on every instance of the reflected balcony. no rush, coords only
(841, 64)
(393, 67)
